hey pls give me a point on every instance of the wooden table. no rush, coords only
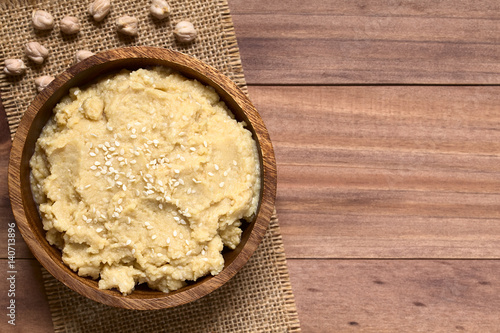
(385, 117)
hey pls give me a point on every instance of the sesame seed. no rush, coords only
(112, 149)
(87, 186)
(133, 251)
(196, 181)
(175, 233)
(143, 129)
(187, 242)
(205, 144)
(182, 159)
(188, 252)
(225, 173)
(205, 259)
(97, 163)
(124, 187)
(160, 206)
(184, 118)
(98, 229)
(117, 144)
(133, 161)
(176, 218)
(120, 201)
(176, 171)
(128, 242)
(98, 173)
(93, 135)
(216, 167)
(192, 149)
(133, 130)
(235, 163)
(92, 154)
(210, 174)
(189, 191)
(159, 255)
(84, 217)
(221, 184)
(107, 144)
(133, 136)
(153, 237)
(94, 168)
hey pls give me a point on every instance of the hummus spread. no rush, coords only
(143, 177)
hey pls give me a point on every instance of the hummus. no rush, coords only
(143, 177)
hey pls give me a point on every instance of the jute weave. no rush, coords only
(257, 299)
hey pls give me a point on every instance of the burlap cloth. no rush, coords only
(257, 299)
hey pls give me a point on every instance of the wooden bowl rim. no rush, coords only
(112, 297)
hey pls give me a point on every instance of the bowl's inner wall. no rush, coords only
(81, 78)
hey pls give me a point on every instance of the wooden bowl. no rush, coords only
(40, 110)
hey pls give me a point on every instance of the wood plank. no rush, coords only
(318, 42)
(397, 295)
(386, 172)
(32, 308)
(445, 8)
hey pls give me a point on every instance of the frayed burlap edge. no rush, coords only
(239, 78)
(52, 286)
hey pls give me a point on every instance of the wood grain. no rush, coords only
(360, 42)
(32, 308)
(386, 172)
(397, 295)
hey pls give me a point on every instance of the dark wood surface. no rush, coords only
(387, 194)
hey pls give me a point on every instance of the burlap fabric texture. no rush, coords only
(259, 298)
